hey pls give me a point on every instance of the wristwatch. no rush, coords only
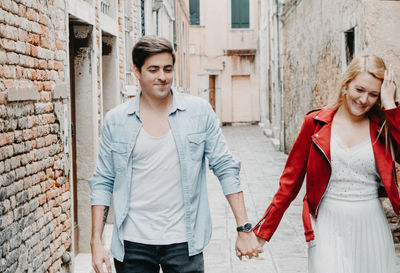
(246, 227)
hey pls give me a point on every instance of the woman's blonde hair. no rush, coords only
(376, 67)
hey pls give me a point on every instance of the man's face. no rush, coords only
(156, 75)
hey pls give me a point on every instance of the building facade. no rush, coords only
(223, 57)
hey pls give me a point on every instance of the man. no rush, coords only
(152, 161)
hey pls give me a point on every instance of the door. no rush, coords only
(211, 94)
(73, 139)
(241, 99)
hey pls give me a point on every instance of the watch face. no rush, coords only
(247, 227)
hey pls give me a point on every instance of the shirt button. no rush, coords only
(316, 135)
(317, 117)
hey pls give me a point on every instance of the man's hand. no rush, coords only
(247, 245)
(100, 257)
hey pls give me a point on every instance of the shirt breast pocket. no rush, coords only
(196, 145)
(119, 154)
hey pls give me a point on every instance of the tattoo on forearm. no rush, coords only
(105, 214)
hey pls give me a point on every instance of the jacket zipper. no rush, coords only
(319, 203)
(262, 221)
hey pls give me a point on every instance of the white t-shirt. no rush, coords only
(156, 213)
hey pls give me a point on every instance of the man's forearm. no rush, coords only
(99, 217)
(236, 201)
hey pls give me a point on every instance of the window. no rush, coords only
(240, 14)
(142, 18)
(350, 46)
(194, 12)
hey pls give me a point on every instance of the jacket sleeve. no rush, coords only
(102, 181)
(290, 181)
(219, 157)
(393, 118)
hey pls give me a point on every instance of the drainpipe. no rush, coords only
(280, 79)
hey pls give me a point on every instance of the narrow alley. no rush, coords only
(261, 168)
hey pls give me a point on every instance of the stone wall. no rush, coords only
(35, 199)
(312, 34)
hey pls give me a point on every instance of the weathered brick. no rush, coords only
(18, 213)
(33, 204)
(22, 197)
(20, 47)
(15, 162)
(65, 206)
(7, 44)
(42, 199)
(6, 220)
(4, 139)
(7, 165)
(27, 232)
(3, 193)
(45, 43)
(9, 32)
(11, 190)
(32, 15)
(28, 221)
(3, 97)
(12, 257)
(22, 36)
(19, 148)
(13, 201)
(15, 241)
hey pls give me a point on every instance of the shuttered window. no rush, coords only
(240, 13)
(194, 6)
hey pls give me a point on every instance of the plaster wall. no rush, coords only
(211, 48)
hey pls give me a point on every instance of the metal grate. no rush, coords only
(142, 19)
(105, 6)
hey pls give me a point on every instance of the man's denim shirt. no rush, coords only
(197, 135)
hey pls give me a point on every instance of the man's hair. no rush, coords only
(148, 46)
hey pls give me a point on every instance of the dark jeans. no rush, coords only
(142, 258)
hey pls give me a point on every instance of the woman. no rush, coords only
(347, 151)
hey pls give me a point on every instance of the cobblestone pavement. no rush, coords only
(261, 168)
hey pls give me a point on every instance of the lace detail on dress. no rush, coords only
(354, 172)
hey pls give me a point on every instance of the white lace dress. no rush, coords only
(351, 230)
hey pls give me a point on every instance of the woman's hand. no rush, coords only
(388, 90)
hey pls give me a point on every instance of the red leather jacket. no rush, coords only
(311, 155)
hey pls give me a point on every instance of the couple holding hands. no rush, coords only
(152, 164)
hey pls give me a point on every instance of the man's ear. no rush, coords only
(137, 72)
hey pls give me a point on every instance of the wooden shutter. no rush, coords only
(194, 6)
(240, 13)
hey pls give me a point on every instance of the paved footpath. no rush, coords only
(261, 169)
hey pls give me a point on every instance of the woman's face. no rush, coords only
(362, 94)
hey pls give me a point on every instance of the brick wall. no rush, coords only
(35, 200)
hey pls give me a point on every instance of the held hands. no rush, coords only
(100, 257)
(388, 89)
(247, 245)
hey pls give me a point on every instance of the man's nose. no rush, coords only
(161, 75)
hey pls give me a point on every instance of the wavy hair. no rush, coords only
(376, 67)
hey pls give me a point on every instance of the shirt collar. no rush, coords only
(177, 103)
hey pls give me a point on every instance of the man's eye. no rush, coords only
(168, 69)
(152, 70)
(374, 95)
(359, 90)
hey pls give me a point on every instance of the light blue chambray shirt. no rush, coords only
(197, 135)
